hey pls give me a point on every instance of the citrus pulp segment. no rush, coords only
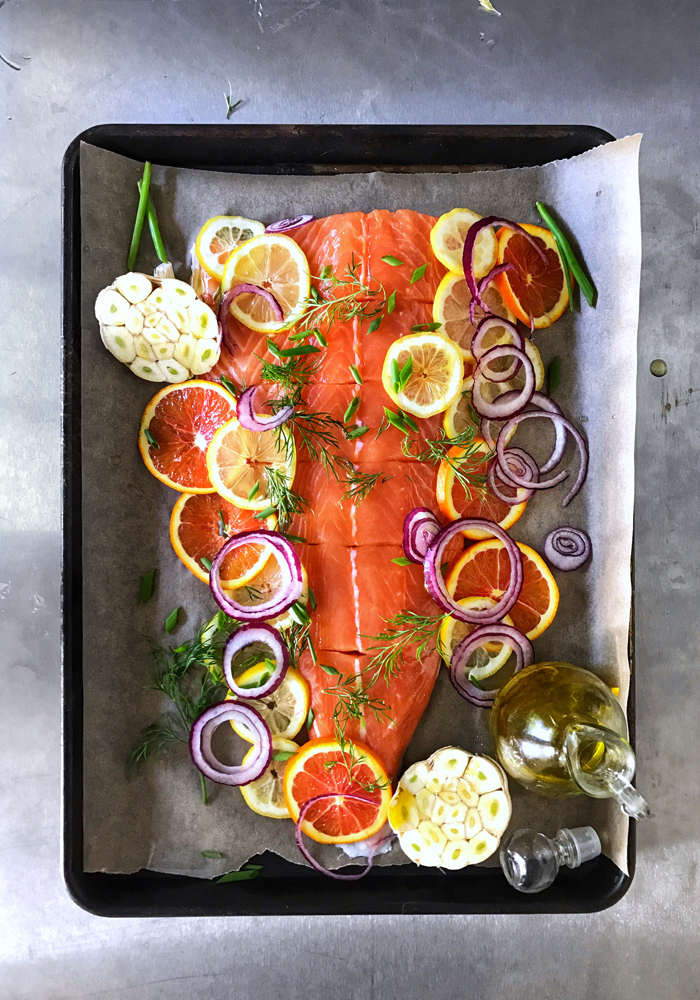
(176, 428)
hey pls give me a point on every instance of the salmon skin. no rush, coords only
(350, 546)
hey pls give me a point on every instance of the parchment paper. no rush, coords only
(156, 819)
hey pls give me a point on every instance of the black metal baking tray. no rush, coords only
(283, 887)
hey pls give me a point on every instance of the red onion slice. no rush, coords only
(245, 636)
(307, 854)
(519, 643)
(285, 225)
(490, 433)
(499, 408)
(292, 582)
(252, 421)
(419, 529)
(211, 767)
(567, 548)
(493, 476)
(576, 435)
(488, 324)
(468, 253)
(435, 583)
(228, 298)
(522, 464)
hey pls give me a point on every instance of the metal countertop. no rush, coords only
(620, 65)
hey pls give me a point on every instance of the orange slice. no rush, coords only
(483, 570)
(453, 500)
(181, 420)
(451, 308)
(196, 526)
(533, 288)
(320, 767)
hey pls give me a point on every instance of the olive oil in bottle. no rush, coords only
(559, 731)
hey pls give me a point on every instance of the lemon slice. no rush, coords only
(490, 657)
(451, 309)
(239, 462)
(436, 375)
(457, 415)
(277, 264)
(219, 237)
(285, 710)
(447, 240)
(264, 586)
(265, 795)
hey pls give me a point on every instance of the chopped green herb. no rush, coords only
(394, 261)
(553, 375)
(329, 670)
(391, 303)
(299, 613)
(229, 386)
(206, 563)
(310, 644)
(320, 338)
(585, 283)
(404, 375)
(151, 440)
(418, 273)
(283, 754)
(396, 420)
(375, 324)
(213, 854)
(140, 216)
(312, 599)
(310, 718)
(355, 372)
(223, 527)
(356, 432)
(314, 294)
(349, 413)
(146, 586)
(245, 874)
(426, 327)
(293, 538)
(171, 620)
(291, 352)
(444, 567)
(326, 272)
(402, 561)
(254, 490)
(409, 421)
(262, 514)
(231, 105)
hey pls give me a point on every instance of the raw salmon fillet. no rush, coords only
(350, 546)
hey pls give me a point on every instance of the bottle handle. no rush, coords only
(610, 776)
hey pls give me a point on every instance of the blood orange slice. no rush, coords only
(323, 767)
(453, 499)
(176, 428)
(532, 288)
(483, 570)
(200, 524)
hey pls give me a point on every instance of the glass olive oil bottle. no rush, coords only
(559, 730)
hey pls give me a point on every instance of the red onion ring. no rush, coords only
(576, 435)
(246, 635)
(291, 571)
(468, 253)
(483, 328)
(498, 409)
(285, 225)
(486, 431)
(419, 528)
(521, 493)
(513, 637)
(252, 421)
(567, 548)
(200, 744)
(522, 463)
(307, 854)
(435, 583)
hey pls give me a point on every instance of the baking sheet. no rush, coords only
(156, 819)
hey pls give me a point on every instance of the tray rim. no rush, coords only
(156, 894)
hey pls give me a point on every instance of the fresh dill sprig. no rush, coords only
(465, 466)
(318, 436)
(351, 760)
(356, 299)
(361, 484)
(190, 676)
(291, 375)
(298, 639)
(353, 700)
(287, 501)
(404, 630)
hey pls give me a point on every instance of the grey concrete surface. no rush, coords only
(619, 64)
